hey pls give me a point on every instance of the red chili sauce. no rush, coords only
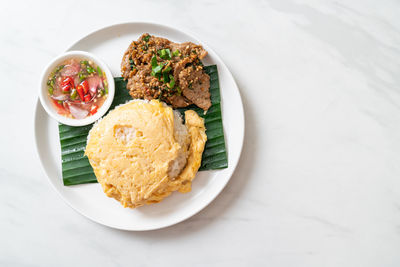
(77, 88)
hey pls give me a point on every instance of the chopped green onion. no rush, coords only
(132, 64)
(81, 76)
(59, 68)
(50, 84)
(90, 69)
(165, 77)
(158, 68)
(59, 102)
(164, 53)
(99, 71)
(178, 89)
(190, 85)
(172, 81)
(176, 53)
(165, 74)
(156, 74)
(146, 38)
(84, 62)
(167, 69)
(154, 62)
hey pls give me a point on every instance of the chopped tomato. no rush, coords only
(60, 106)
(66, 88)
(85, 86)
(87, 97)
(68, 80)
(79, 89)
(93, 109)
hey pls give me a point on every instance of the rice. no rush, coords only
(182, 137)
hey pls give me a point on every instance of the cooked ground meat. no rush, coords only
(157, 68)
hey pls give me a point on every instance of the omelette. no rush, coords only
(141, 151)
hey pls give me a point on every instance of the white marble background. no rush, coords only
(318, 183)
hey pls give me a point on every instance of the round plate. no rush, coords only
(109, 44)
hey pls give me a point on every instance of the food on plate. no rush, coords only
(77, 88)
(157, 68)
(141, 151)
(75, 169)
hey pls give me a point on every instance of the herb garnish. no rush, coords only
(81, 76)
(178, 89)
(171, 82)
(157, 70)
(132, 64)
(146, 38)
(90, 69)
(168, 69)
(164, 53)
(176, 53)
(59, 68)
(153, 61)
(162, 70)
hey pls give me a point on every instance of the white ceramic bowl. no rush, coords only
(45, 99)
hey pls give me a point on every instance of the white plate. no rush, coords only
(109, 44)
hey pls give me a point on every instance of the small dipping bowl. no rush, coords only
(46, 101)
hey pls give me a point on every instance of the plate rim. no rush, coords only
(234, 163)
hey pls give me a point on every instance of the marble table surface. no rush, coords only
(318, 183)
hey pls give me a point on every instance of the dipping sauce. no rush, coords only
(77, 88)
